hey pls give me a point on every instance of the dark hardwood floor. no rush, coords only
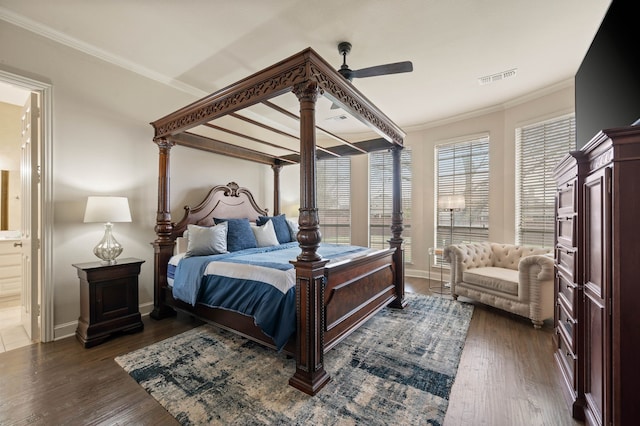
(506, 377)
(507, 374)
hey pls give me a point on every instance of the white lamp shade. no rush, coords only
(107, 209)
(451, 202)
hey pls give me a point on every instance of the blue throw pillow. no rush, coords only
(280, 225)
(239, 234)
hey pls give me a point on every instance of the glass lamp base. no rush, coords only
(108, 249)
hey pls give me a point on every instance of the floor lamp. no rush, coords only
(451, 203)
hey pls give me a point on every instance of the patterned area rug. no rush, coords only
(398, 368)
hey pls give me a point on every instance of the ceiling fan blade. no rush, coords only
(394, 68)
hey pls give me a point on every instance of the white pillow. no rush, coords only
(206, 240)
(182, 244)
(265, 234)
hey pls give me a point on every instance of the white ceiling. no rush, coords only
(200, 46)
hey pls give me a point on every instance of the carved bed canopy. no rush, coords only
(202, 124)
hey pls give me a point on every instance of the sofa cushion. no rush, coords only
(509, 255)
(476, 255)
(501, 280)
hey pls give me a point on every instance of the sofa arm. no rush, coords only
(462, 257)
(536, 276)
(540, 267)
(453, 256)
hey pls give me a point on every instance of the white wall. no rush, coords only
(102, 144)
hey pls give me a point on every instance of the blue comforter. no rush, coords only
(257, 282)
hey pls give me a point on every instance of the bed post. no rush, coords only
(396, 229)
(310, 375)
(276, 188)
(163, 245)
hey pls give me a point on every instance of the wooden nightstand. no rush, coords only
(108, 300)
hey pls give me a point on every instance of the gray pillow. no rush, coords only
(206, 240)
(293, 229)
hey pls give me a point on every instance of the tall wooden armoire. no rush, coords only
(605, 332)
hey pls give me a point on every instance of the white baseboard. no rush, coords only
(62, 331)
(416, 273)
(435, 274)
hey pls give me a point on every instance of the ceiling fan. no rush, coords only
(344, 48)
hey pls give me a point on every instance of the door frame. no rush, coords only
(45, 266)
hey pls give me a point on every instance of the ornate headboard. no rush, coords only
(223, 201)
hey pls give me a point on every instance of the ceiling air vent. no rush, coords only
(487, 79)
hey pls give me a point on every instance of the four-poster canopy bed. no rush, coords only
(331, 298)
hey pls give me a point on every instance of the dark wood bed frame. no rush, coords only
(332, 299)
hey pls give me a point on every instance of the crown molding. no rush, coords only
(512, 103)
(89, 49)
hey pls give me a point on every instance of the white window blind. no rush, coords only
(462, 169)
(381, 199)
(539, 149)
(333, 192)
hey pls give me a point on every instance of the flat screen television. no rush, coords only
(607, 84)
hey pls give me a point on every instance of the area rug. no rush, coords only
(398, 368)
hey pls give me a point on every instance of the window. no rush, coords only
(333, 186)
(462, 169)
(539, 149)
(381, 199)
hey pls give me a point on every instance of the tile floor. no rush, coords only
(12, 334)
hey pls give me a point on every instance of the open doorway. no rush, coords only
(12, 332)
(25, 185)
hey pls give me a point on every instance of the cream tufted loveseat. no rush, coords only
(514, 278)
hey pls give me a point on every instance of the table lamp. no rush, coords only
(107, 210)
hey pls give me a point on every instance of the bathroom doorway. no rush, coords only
(29, 213)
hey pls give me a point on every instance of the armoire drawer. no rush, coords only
(567, 359)
(567, 197)
(566, 229)
(566, 262)
(566, 325)
(566, 292)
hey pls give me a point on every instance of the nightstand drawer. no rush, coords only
(115, 298)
